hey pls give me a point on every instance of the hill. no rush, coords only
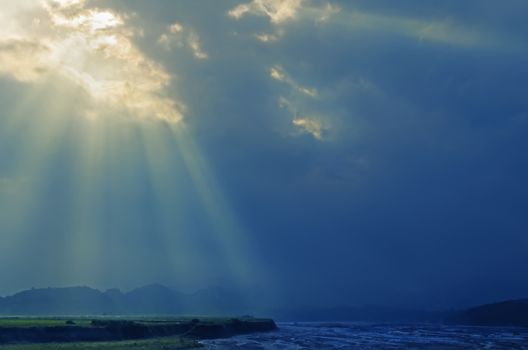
(148, 300)
(507, 313)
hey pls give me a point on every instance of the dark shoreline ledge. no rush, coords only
(108, 330)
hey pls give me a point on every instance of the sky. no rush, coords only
(305, 152)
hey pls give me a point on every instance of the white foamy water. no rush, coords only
(330, 336)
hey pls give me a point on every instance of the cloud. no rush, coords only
(310, 126)
(196, 46)
(269, 38)
(92, 48)
(278, 73)
(443, 30)
(278, 11)
(306, 125)
(23, 59)
(179, 36)
(281, 12)
(305, 122)
(173, 36)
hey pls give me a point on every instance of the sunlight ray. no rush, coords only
(226, 230)
(83, 239)
(40, 139)
(164, 177)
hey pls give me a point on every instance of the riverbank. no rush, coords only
(120, 334)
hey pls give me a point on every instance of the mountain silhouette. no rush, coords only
(154, 299)
(507, 313)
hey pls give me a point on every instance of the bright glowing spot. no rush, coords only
(103, 20)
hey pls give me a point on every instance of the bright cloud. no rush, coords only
(269, 38)
(305, 122)
(282, 11)
(175, 28)
(23, 59)
(93, 49)
(278, 73)
(310, 126)
(313, 126)
(278, 11)
(196, 46)
(179, 36)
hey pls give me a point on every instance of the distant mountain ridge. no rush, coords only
(512, 313)
(154, 299)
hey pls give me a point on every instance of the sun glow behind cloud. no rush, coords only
(93, 49)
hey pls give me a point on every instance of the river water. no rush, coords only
(330, 336)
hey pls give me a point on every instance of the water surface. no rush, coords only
(329, 336)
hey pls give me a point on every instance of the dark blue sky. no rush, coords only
(331, 153)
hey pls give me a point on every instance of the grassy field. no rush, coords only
(42, 322)
(87, 321)
(169, 343)
(28, 322)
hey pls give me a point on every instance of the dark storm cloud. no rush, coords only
(418, 192)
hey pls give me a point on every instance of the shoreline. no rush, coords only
(174, 333)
